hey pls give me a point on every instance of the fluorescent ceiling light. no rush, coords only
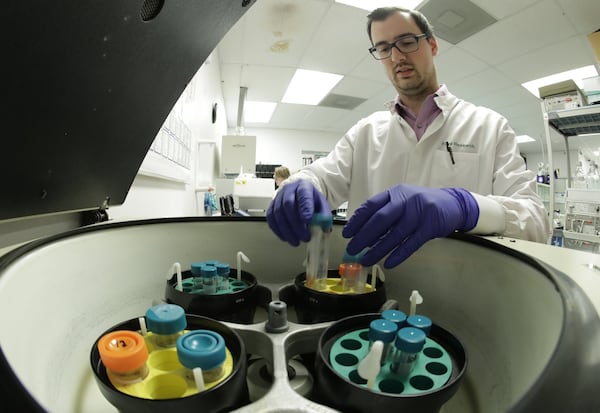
(309, 87)
(576, 75)
(258, 112)
(373, 4)
(524, 138)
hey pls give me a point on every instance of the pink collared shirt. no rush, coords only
(429, 111)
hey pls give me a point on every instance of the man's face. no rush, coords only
(412, 74)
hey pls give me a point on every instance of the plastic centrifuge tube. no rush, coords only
(409, 343)
(396, 316)
(167, 322)
(205, 350)
(353, 275)
(196, 270)
(349, 276)
(223, 270)
(419, 321)
(209, 279)
(384, 331)
(124, 354)
(317, 251)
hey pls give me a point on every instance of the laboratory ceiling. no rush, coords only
(528, 40)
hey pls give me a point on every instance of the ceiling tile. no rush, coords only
(538, 26)
(456, 64)
(479, 84)
(338, 52)
(505, 8)
(369, 68)
(584, 14)
(266, 83)
(289, 115)
(362, 88)
(559, 57)
(509, 97)
(322, 116)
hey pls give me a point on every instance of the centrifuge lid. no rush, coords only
(87, 86)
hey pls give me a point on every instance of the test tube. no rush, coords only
(349, 276)
(223, 270)
(166, 322)
(419, 321)
(209, 279)
(357, 276)
(384, 331)
(317, 251)
(124, 354)
(396, 316)
(409, 343)
(196, 270)
(204, 349)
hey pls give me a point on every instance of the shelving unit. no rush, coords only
(568, 122)
(572, 122)
(582, 220)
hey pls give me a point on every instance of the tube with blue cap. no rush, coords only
(203, 352)
(223, 270)
(167, 322)
(209, 279)
(384, 331)
(409, 343)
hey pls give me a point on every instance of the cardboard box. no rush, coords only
(562, 95)
(594, 39)
(560, 88)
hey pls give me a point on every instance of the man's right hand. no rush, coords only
(290, 213)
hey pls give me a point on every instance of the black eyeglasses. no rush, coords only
(405, 44)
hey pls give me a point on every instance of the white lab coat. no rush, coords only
(381, 151)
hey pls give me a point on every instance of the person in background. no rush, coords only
(280, 174)
(430, 165)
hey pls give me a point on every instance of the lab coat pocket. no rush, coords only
(463, 172)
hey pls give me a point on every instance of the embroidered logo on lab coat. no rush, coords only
(458, 147)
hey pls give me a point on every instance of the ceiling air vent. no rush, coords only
(341, 101)
(456, 20)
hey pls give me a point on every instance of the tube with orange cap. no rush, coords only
(353, 276)
(124, 354)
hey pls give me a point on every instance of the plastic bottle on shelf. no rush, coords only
(167, 322)
(204, 349)
(124, 354)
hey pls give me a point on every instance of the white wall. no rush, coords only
(285, 146)
(559, 160)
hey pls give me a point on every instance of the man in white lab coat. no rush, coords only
(430, 165)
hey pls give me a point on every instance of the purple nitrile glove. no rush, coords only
(404, 217)
(289, 214)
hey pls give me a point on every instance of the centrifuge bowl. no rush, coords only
(530, 333)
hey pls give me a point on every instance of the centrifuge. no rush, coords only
(519, 320)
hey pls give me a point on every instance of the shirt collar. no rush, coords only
(396, 106)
